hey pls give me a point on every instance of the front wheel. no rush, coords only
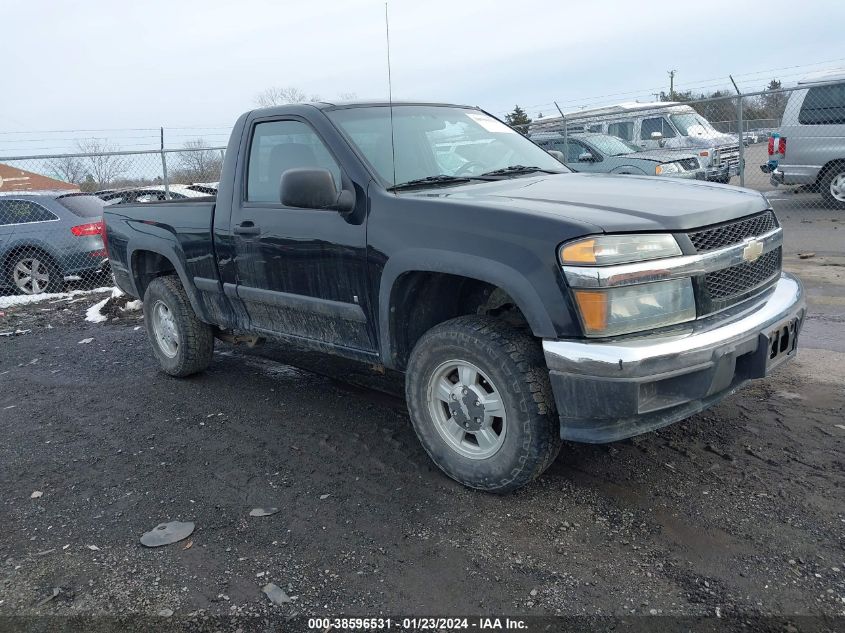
(181, 342)
(480, 401)
(832, 187)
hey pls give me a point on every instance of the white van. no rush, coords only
(811, 147)
(665, 125)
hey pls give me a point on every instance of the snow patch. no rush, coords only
(93, 314)
(22, 300)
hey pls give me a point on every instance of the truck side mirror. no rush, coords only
(586, 157)
(313, 188)
(656, 136)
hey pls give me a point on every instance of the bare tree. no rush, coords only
(280, 96)
(198, 163)
(347, 96)
(68, 168)
(98, 162)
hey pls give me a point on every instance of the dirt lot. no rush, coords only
(738, 511)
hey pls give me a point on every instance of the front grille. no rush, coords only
(725, 287)
(729, 156)
(689, 163)
(732, 232)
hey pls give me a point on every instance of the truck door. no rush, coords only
(300, 272)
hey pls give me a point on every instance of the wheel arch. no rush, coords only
(629, 169)
(829, 166)
(146, 264)
(478, 272)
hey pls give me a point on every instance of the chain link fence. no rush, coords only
(796, 152)
(51, 209)
(787, 143)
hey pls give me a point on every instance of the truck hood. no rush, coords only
(612, 203)
(701, 137)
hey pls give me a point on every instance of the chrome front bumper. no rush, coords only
(607, 391)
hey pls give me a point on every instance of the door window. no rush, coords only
(573, 150)
(278, 146)
(623, 129)
(656, 124)
(824, 105)
(23, 212)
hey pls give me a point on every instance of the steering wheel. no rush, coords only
(467, 166)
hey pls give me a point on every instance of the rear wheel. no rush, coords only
(181, 342)
(832, 187)
(31, 272)
(480, 401)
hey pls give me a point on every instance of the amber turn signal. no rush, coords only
(593, 307)
(581, 252)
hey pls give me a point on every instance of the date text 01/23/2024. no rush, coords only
(417, 624)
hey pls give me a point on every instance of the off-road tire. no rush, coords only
(514, 361)
(196, 339)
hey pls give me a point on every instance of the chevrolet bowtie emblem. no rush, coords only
(752, 251)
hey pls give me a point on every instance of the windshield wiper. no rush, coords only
(516, 170)
(440, 179)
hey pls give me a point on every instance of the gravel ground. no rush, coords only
(737, 511)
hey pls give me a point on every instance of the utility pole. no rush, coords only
(672, 84)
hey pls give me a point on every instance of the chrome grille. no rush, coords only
(732, 232)
(729, 156)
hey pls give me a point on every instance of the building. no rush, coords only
(16, 180)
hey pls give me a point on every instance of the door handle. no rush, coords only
(247, 227)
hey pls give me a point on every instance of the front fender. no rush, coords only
(630, 169)
(487, 270)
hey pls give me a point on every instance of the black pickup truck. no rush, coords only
(525, 304)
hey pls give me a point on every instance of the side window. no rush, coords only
(623, 129)
(824, 105)
(278, 146)
(595, 128)
(656, 124)
(573, 150)
(23, 212)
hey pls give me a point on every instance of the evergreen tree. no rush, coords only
(518, 118)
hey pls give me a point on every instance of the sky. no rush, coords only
(120, 70)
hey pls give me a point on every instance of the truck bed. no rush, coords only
(180, 227)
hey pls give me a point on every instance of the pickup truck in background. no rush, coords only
(524, 304)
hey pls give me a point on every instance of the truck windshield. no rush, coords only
(437, 141)
(612, 145)
(691, 124)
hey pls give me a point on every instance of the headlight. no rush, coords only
(618, 249)
(667, 168)
(614, 311)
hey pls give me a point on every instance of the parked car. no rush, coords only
(749, 138)
(205, 188)
(602, 153)
(524, 303)
(46, 238)
(662, 125)
(810, 149)
(150, 194)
